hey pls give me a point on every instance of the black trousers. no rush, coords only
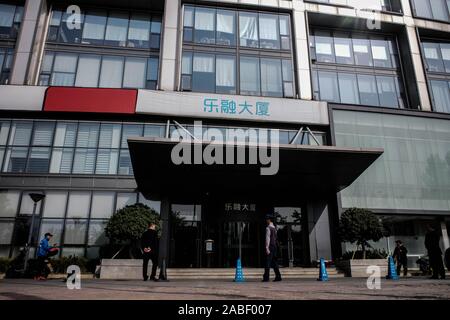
(405, 267)
(146, 258)
(437, 265)
(271, 262)
(41, 267)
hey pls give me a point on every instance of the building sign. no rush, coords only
(230, 107)
(240, 207)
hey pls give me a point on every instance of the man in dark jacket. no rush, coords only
(149, 244)
(271, 251)
(400, 256)
(434, 252)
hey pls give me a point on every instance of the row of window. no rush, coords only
(101, 28)
(380, 5)
(204, 72)
(88, 147)
(10, 18)
(370, 90)
(104, 71)
(432, 9)
(338, 47)
(218, 27)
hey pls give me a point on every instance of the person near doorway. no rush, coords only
(44, 252)
(271, 249)
(149, 244)
(434, 252)
(400, 256)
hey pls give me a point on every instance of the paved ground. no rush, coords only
(343, 288)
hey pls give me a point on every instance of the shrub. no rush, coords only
(4, 264)
(370, 254)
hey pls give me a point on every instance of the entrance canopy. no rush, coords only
(302, 170)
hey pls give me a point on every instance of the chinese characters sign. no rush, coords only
(231, 107)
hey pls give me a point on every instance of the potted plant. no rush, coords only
(360, 226)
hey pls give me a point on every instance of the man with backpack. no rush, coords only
(271, 250)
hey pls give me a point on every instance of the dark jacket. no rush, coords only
(432, 243)
(150, 239)
(400, 253)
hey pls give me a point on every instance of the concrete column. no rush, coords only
(445, 238)
(300, 39)
(165, 237)
(319, 230)
(26, 41)
(416, 56)
(168, 72)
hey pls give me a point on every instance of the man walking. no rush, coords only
(271, 251)
(43, 252)
(149, 244)
(400, 256)
(434, 252)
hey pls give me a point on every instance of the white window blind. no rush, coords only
(87, 135)
(43, 133)
(88, 71)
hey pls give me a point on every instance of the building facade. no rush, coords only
(82, 82)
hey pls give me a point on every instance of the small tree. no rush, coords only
(360, 226)
(127, 225)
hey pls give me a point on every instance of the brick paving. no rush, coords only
(305, 289)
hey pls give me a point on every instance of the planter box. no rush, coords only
(127, 269)
(358, 268)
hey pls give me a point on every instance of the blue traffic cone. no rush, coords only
(392, 271)
(239, 276)
(323, 274)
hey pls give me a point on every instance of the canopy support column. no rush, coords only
(165, 238)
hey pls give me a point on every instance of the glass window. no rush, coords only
(4, 131)
(43, 133)
(135, 73)
(269, 34)
(6, 231)
(65, 134)
(87, 135)
(131, 130)
(112, 72)
(361, 51)
(55, 204)
(7, 15)
(248, 29)
(10, 201)
(152, 73)
(125, 166)
(75, 231)
(348, 88)
(79, 204)
(88, 71)
(271, 79)
(285, 32)
(55, 227)
(439, 10)
(328, 86)
(39, 160)
(204, 25)
(188, 22)
(226, 74)
(107, 161)
(139, 31)
(250, 76)
(117, 29)
(84, 161)
(20, 133)
(422, 8)
(64, 69)
(109, 135)
(343, 49)
(433, 57)
(368, 90)
(324, 47)
(387, 91)
(26, 205)
(61, 160)
(94, 28)
(226, 28)
(445, 51)
(154, 130)
(96, 235)
(441, 95)
(16, 159)
(203, 77)
(380, 53)
(102, 204)
(125, 199)
(67, 33)
(288, 78)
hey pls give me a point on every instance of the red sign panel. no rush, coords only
(69, 99)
